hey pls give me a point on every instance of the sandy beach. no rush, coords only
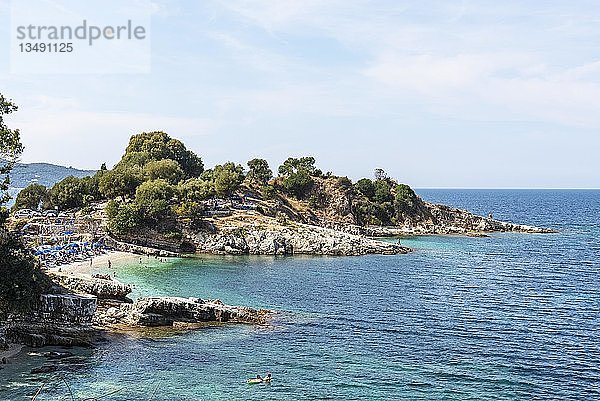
(100, 261)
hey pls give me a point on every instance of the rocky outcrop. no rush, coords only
(165, 311)
(289, 239)
(447, 220)
(58, 319)
(100, 287)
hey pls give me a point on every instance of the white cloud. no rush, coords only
(493, 86)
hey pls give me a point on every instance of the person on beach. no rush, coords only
(109, 264)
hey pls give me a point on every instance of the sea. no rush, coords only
(508, 317)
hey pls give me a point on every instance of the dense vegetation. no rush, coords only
(21, 280)
(384, 201)
(159, 180)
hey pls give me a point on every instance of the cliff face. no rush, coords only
(59, 319)
(88, 305)
(273, 238)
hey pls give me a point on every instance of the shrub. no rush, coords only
(123, 218)
(32, 197)
(153, 198)
(227, 178)
(166, 169)
(22, 281)
(366, 187)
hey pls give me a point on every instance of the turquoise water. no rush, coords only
(511, 317)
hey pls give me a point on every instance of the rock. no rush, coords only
(58, 319)
(44, 369)
(441, 219)
(3, 341)
(165, 311)
(99, 287)
(290, 239)
(57, 355)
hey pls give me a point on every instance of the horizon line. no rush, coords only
(518, 188)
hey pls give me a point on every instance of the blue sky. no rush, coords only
(438, 93)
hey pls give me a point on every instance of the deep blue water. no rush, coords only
(511, 317)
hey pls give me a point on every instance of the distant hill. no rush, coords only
(43, 173)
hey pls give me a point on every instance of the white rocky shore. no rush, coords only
(291, 239)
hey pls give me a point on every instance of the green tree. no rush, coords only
(344, 182)
(67, 194)
(123, 218)
(293, 165)
(120, 182)
(298, 183)
(259, 171)
(383, 192)
(22, 281)
(166, 169)
(31, 197)
(10, 148)
(90, 189)
(149, 146)
(227, 178)
(154, 198)
(195, 190)
(366, 187)
(73, 192)
(297, 175)
(405, 198)
(380, 175)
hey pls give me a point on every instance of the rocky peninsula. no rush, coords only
(159, 200)
(80, 308)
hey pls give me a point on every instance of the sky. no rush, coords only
(451, 93)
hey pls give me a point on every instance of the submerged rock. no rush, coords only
(44, 369)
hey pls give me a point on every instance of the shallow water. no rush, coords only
(512, 317)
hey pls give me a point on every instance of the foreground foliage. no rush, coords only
(20, 280)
